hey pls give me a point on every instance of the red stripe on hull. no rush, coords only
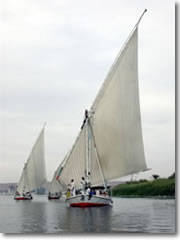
(22, 198)
(86, 204)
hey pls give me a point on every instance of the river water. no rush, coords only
(127, 215)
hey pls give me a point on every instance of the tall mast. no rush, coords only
(87, 151)
(96, 154)
(87, 145)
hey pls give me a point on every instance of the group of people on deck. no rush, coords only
(85, 188)
(71, 191)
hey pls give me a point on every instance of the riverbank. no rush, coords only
(159, 188)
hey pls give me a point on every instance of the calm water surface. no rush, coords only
(126, 215)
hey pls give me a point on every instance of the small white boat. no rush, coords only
(55, 188)
(24, 196)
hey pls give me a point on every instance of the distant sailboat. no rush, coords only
(34, 172)
(110, 143)
(54, 189)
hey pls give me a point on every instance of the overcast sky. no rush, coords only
(54, 56)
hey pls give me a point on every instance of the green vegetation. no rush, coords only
(157, 188)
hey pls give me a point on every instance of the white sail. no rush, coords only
(74, 164)
(34, 172)
(74, 168)
(116, 143)
(55, 186)
(22, 182)
(116, 117)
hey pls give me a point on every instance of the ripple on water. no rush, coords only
(126, 215)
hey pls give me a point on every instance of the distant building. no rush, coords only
(7, 188)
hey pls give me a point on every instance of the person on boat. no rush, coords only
(90, 192)
(88, 183)
(72, 188)
(97, 192)
(93, 191)
(68, 193)
(23, 192)
(83, 184)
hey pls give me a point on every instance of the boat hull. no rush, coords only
(54, 198)
(86, 201)
(23, 198)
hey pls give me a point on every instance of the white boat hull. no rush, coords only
(86, 201)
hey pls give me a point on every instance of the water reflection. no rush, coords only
(143, 215)
(64, 219)
(33, 216)
(56, 210)
(126, 215)
(130, 215)
(87, 219)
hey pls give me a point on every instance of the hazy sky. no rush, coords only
(54, 56)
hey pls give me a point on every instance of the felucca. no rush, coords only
(110, 142)
(34, 171)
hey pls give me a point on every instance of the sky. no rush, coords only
(54, 57)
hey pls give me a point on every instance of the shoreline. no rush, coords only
(159, 188)
(151, 197)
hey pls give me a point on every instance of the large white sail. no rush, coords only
(116, 117)
(116, 143)
(34, 172)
